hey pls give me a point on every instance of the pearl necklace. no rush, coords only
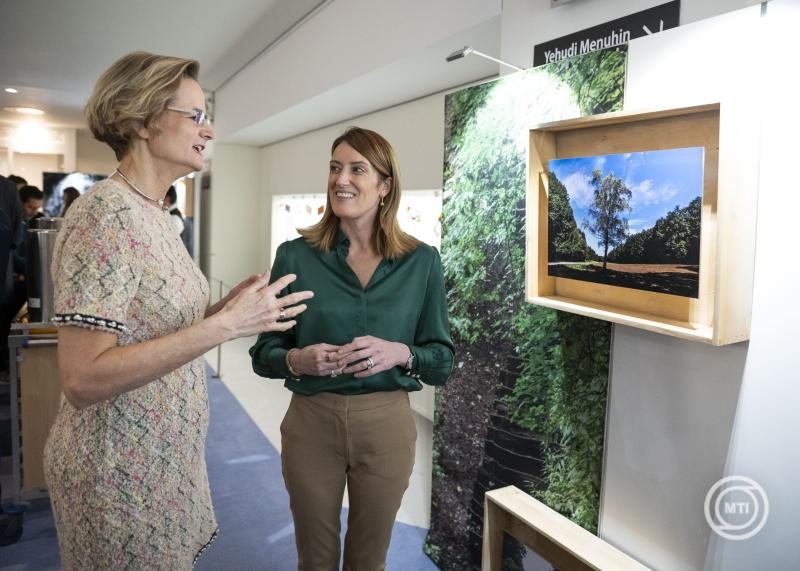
(142, 194)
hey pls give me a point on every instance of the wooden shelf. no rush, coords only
(721, 313)
(563, 543)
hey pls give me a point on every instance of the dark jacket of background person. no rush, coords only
(11, 233)
(11, 240)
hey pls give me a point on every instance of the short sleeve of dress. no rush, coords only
(97, 264)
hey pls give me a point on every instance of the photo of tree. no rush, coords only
(629, 220)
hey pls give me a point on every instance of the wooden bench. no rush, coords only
(565, 544)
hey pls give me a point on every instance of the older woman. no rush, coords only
(377, 328)
(125, 458)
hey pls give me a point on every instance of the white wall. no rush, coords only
(30, 166)
(92, 155)
(764, 438)
(233, 219)
(36, 138)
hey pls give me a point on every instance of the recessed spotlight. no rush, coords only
(11, 90)
(25, 110)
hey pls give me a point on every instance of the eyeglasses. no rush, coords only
(197, 115)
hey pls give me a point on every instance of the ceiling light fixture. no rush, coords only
(25, 110)
(466, 50)
(11, 90)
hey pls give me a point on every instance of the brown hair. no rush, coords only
(390, 241)
(131, 93)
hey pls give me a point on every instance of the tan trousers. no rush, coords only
(367, 441)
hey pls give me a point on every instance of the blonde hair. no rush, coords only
(389, 240)
(131, 93)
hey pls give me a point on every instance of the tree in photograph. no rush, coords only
(611, 201)
(680, 234)
(566, 243)
(673, 239)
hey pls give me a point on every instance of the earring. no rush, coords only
(381, 202)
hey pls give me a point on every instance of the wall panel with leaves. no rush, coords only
(526, 403)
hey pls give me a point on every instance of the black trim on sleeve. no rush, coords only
(89, 320)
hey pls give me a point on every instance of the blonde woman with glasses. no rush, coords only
(124, 461)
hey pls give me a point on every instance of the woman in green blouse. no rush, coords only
(376, 329)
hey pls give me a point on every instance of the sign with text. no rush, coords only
(610, 34)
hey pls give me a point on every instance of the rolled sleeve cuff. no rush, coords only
(276, 360)
(432, 365)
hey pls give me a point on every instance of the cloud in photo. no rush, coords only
(647, 192)
(579, 187)
(599, 162)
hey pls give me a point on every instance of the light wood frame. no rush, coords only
(721, 313)
(563, 543)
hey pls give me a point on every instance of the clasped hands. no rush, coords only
(363, 356)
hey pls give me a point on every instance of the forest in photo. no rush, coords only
(630, 220)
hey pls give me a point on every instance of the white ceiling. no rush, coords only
(53, 51)
(421, 73)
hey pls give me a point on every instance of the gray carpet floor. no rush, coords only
(252, 507)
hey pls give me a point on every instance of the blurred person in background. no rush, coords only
(170, 201)
(11, 239)
(32, 199)
(70, 194)
(17, 180)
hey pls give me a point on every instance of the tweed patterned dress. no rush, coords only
(127, 477)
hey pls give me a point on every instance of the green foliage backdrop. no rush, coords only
(560, 393)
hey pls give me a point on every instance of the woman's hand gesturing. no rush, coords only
(365, 356)
(256, 307)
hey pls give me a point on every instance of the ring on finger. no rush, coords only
(282, 314)
(333, 373)
(370, 363)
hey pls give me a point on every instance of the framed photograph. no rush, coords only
(627, 221)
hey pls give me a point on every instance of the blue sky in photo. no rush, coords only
(659, 181)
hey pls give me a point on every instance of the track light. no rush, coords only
(466, 50)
